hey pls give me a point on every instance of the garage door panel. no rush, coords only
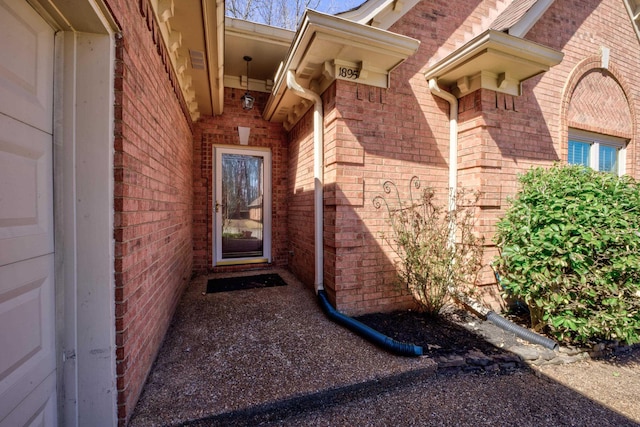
(25, 65)
(27, 271)
(27, 322)
(26, 224)
(43, 399)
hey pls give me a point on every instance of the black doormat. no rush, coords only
(246, 282)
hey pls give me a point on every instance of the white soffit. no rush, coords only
(183, 31)
(493, 60)
(327, 48)
(379, 13)
(266, 45)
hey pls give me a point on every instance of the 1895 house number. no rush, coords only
(348, 73)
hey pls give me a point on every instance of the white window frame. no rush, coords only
(595, 140)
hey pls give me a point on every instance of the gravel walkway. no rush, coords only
(271, 357)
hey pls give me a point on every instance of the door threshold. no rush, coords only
(242, 261)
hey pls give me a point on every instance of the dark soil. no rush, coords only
(453, 332)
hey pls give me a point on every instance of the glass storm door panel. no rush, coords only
(242, 209)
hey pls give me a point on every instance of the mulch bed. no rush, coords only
(440, 336)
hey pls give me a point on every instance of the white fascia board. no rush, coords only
(214, 45)
(254, 30)
(318, 27)
(367, 12)
(381, 13)
(633, 9)
(530, 18)
(521, 58)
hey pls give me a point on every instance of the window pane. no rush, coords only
(608, 159)
(578, 153)
(242, 213)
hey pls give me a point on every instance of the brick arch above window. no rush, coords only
(587, 66)
(576, 97)
(598, 103)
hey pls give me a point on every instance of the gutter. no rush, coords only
(318, 173)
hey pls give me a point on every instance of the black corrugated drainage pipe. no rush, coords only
(521, 332)
(366, 332)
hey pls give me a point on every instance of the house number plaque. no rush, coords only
(344, 70)
(348, 73)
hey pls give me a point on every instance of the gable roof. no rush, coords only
(518, 18)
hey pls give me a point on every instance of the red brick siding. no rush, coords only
(374, 135)
(585, 30)
(223, 130)
(300, 200)
(591, 65)
(501, 136)
(378, 135)
(153, 200)
(599, 103)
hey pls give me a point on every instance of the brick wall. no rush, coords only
(502, 136)
(223, 130)
(153, 200)
(581, 39)
(300, 200)
(373, 134)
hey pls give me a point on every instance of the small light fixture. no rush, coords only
(247, 99)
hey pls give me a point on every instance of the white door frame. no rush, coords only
(83, 208)
(265, 153)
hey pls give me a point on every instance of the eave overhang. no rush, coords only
(266, 45)
(187, 46)
(213, 17)
(494, 60)
(327, 48)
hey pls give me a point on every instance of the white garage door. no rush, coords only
(27, 312)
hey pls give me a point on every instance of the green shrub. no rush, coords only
(430, 266)
(570, 248)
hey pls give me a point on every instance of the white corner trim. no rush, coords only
(84, 211)
(495, 57)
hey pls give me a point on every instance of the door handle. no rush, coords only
(218, 206)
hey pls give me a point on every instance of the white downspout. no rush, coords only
(318, 173)
(453, 179)
(453, 138)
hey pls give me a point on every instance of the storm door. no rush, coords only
(242, 206)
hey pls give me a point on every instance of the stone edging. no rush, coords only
(517, 353)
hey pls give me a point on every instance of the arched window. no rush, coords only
(599, 120)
